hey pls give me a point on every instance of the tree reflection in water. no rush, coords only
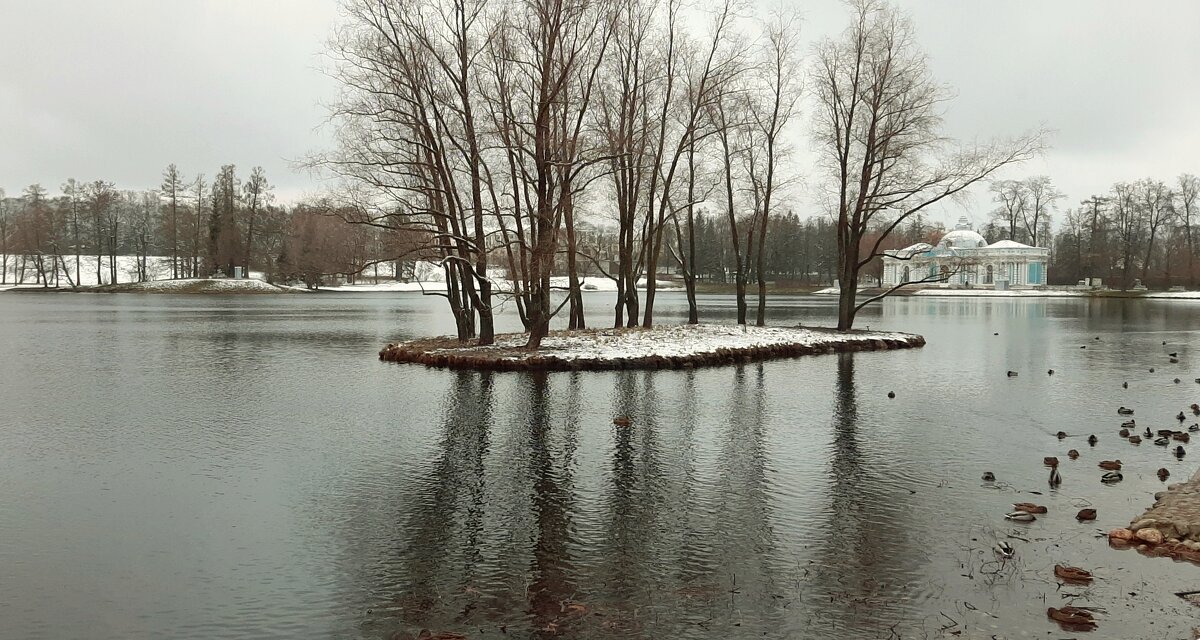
(867, 557)
(550, 573)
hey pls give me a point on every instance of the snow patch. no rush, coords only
(671, 341)
(498, 284)
(199, 285)
(1005, 293)
(1177, 295)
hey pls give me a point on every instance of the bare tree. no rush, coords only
(1125, 214)
(877, 131)
(1154, 203)
(37, 230)
(769, 115)
(408, 134)
(1042, 198)
(555, 54)
(195, 246)
(256, 194)
(728, 121)
(74, 193)
(1187, 206)
(172, 185)
(718, 65)
(1012, 197)
(101, 202)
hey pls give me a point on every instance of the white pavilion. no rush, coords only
(963, 258)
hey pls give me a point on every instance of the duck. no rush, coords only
(891, 394)
(1135, 439)
(1180, 417)
(1020, 516)
(1129, 424)
(1166, 433)
(1061, 435)
(1181, 436)
(1180, 451)
(1086, 514)
(1110, 465)
(1055, 477)
(1148, 433)
(1176, 380)
(1195, 409)
(1029, 507)
(1194, 428)
(1004, 550)
(1125, 385)
(988, 476)
(1151, 369)
(1012, 374)
(1163, 474)
(1050, 372)
(1124, 411)
(1174, 360)
(622, 421)
(1173, 355)
(1050, 461)
(1072, 454)
(1162, 441)
(1072, 618)
(1073, 574)
(1092, 439)
(1124, 433)
(1111, 477)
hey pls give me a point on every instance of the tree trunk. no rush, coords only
(574, 288)
(689, 276)
(847, 299)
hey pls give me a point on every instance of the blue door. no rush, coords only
(1035, 273)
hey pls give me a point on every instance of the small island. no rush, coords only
(662, 347)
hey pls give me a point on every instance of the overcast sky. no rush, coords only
(120, 88)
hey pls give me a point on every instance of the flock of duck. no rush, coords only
(1112, 468)
(1074, 618)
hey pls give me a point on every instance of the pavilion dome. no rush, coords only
(962, 239)
(920, 247)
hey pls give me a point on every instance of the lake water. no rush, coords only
(244, 467)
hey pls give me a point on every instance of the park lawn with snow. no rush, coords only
(196, 285)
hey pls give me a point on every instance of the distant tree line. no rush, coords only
(1143, 230)
(201, 228)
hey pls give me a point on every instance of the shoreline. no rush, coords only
(191, 286)
(224, 286)
(661, 347)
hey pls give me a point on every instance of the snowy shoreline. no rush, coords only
(190, 286)
(662, 347)
(1027, 293)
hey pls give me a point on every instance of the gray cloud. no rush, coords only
(118, 89)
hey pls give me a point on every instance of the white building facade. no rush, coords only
(962, 258)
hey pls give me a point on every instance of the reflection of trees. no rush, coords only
(743, 536)
(633, 499)
(551, 586)
(866, 551)
(491, 530)
(440, 543)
